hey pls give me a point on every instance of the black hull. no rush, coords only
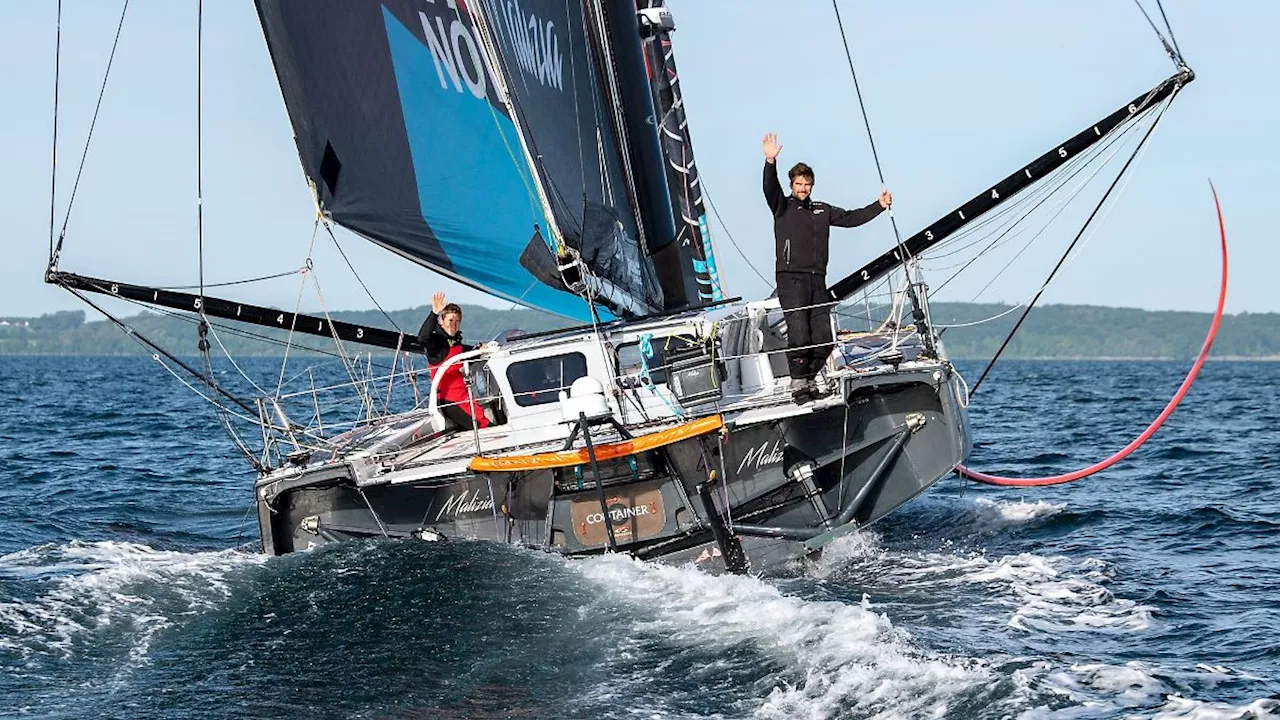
(794, 484)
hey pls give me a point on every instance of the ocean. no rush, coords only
(131, 586)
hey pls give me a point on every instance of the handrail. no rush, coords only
(437, 419)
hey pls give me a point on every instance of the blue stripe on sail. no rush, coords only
(475, 190)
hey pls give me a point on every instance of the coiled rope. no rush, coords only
(965, 472)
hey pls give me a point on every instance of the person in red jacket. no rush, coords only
(441, 336)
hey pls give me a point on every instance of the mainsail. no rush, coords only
(475, 138)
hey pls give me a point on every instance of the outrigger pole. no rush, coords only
(989, 199)
(241, 312)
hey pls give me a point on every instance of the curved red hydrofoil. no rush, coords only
(964, 471)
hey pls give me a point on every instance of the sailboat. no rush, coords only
(661, 426)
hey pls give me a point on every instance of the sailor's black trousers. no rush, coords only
(806, 305)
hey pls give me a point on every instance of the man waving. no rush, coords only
(801, 231)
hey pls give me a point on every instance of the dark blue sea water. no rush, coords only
(130, 586)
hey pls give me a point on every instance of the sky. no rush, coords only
(958, 95)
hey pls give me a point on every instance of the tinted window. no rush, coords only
(537, 382)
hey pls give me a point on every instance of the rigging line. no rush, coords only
(1030, 242)
(867, 123)
(233, 362)
(358, 278)
(1081, 163)
(135, 334)
(1065, 255)
(233, 330)
(1077, 165)
(228, 283)
(230, 329)
(302, 286)
(1060, 209)
(225, 421)
(1170, 50)
(92, 123)
(1167, 26)
(53, 172)
(200, 143)
(1173, 403)
(723, 226)
(337, 341)
(206, 398)
(1036, 198)
(493, 327)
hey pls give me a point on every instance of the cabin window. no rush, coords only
(538, 382)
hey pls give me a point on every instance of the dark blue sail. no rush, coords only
(472, 138)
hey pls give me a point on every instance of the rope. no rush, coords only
(56, 251)
(1067, 253)
(646, 352)
(53, 172)
(273, 276)
(143, 339)
(357, 275)
(200, 144)
(729, 235)
(966, 472)
(1036, 199)
(904, 254)
(1139, 150)
(1169, 27)
(302, 286)
(1031, 298)
(1172, 51)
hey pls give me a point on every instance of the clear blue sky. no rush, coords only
(959, 94)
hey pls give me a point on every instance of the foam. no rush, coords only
(1100, 690)
(835, 654)
(1046, 593)
(94, 587)
(992, 512)
(1180, 708)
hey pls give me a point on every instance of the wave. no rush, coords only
(90, 597)
(816, 656)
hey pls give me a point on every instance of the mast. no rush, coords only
(997, 194)
(656, 25)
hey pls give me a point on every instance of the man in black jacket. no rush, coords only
(801, 231)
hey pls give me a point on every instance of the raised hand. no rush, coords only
(437, 302)
(771, 147)
(886, 198)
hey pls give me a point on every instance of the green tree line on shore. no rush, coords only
(1051, 331)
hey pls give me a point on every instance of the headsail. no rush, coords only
(470, 137)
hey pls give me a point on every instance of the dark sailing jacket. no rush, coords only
(802, 228)
(436, 341)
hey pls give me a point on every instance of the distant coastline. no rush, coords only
(1051, 332)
